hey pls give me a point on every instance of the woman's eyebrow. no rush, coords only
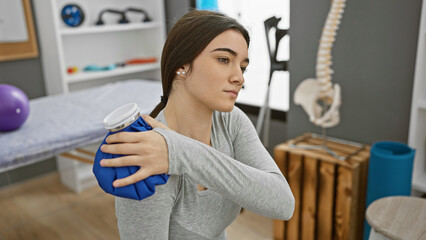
(230, 51)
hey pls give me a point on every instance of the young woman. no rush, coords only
(211, 150)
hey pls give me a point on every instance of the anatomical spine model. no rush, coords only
(312, 90)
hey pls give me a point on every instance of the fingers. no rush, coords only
(124, 161)
(124, 137)
(122, 149)
(140, 175)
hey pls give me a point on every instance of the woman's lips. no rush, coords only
(233, 93)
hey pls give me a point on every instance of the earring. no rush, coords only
(183, 72)
(178, 72)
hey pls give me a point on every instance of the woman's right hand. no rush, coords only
(146, 149)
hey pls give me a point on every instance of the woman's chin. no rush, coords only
(225, 108)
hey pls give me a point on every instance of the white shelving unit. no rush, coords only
(62, 47)
(417, 134)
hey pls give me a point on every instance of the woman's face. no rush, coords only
(216, 76)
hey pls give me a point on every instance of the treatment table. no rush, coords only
(64, 124)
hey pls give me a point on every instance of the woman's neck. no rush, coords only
(189, 118)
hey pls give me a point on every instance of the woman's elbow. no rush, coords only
(288, 207)
(287, 202)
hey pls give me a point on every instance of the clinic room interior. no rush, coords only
(334, 92)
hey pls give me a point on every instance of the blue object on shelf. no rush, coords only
(389, 173)
(94, 67)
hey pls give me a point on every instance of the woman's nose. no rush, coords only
(237, 77)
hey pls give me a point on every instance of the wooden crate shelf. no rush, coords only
(329, 193)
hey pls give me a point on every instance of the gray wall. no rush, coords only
(25, 74)
(374, 58)
(174, 10)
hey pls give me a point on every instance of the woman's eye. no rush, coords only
(224, 60)
(243, 69)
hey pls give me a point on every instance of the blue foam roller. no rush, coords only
(389, 173)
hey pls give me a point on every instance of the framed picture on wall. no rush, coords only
(17, 34)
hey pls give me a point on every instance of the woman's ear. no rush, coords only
(183, 71)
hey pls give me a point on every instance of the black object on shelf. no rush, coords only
(122, 20)
(139, 10)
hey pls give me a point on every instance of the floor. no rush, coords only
(43, 208)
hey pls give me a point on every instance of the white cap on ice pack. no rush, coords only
(121, 117)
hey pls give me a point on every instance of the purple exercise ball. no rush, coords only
(14, 107)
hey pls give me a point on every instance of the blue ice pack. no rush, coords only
(107, 175)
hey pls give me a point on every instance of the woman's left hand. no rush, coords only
(145, 149)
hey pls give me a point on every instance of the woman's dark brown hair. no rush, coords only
(186, 40)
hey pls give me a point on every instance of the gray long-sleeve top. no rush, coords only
(237, 172)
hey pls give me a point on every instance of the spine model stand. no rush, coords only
(329, 94)
(311, 91)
